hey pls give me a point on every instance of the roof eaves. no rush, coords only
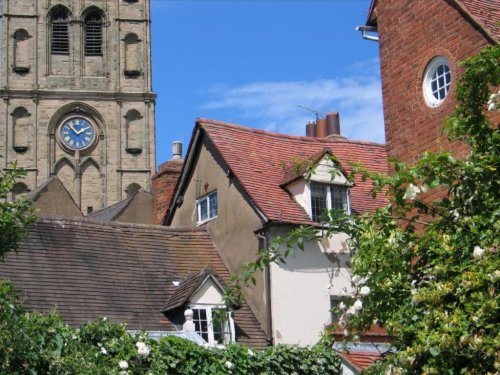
(371, 20)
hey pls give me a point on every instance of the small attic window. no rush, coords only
(207, 207)
(325, 197)
(212, 323)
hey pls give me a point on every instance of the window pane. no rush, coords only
(221, 326)
(201, 323)
(203, 209)
(318, 200)
(339, 197)
(213, 204)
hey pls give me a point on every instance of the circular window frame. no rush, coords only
(430, 70)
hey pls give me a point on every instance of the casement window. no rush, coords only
(59, 32)
(213, 323)
(327, 197)
(207, 207)
(93, 35)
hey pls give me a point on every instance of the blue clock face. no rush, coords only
(77, 133)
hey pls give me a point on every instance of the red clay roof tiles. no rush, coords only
(486, 13)
(261, 161)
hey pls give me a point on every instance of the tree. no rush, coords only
(14, 216)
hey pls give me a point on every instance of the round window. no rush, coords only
(437, 81)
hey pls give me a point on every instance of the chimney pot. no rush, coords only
(333, 121)
(321, 128)
(177, 150)
(311, 129)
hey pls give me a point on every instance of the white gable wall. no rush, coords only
(208, 294)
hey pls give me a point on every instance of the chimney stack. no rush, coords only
(325, 127)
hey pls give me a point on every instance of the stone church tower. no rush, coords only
(76, 96)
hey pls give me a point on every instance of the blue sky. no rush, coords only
(253, 62)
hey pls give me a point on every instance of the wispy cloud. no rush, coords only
(275, 105)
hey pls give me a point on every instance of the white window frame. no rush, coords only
(209, 310)
(430, 99)
(206, 198)
(327, 187)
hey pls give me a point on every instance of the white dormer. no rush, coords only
(325, 188)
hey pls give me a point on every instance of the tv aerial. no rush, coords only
(316, 112)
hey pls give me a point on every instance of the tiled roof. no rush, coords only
(486, 13)
(112, 212)
(88, 269)
(262, 161)
(360, 360)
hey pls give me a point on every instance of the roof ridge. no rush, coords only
(115, 224)
(204, 122)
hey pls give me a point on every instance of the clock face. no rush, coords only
(77, 133)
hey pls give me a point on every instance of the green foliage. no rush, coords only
(32, 343)
(428, 270)
(14, 216)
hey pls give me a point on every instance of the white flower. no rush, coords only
(229, 365)
(346, 332)
(411, 192)
(123, 365)
(491, 106)
(342, 306)
(475, 319)
(478, 252)
(142, 349)
(104, 351)
(341, 322)
(250, 352)
(358, 305)
(74, 337)
(364, 291)
(356, 279)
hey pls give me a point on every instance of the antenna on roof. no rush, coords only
(316, 112)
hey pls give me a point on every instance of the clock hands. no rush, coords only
(82, 130)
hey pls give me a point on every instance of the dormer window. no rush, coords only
(327, 197)
(207, 207)
(212, 323)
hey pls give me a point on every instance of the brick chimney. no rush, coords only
(165, 181)
(325, 127)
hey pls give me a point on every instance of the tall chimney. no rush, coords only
(176, 150)
(333, 121)
(311, 129)
(164, 183)
(321, 128)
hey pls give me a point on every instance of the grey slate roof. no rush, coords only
(87, 269)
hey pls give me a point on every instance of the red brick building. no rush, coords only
(421, 45)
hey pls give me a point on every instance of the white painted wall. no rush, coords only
(301, 289)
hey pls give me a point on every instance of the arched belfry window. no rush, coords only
(19, 189)
(132, 189)
(134, 132)
(59, 38)
(93, 34)
(21, 51)
(132, 68)
(21, 133)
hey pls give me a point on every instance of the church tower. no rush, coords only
(76, 96)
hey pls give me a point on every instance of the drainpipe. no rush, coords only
(267, 281)
(368, 29)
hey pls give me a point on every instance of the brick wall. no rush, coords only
(163, 186)
(411, 33)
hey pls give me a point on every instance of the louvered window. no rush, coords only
(93, 36)
(60, 35)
